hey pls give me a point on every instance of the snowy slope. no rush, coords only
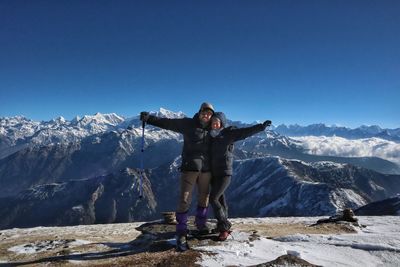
(105, 199)
(94, 155)
(273, 186)
(378, 244)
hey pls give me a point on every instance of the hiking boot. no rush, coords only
(181, 243)
(205, 230)
(223, 235)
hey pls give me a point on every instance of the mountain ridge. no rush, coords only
(112, 121)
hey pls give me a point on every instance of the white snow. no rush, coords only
(340, 194)
(23, 249)
(378, 244)
(40, 246)
(165, 113)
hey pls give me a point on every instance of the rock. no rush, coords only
(347, 215)
(286, 260)
(169, 217)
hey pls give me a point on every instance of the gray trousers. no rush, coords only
(188, 181)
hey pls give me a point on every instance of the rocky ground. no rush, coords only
(133, 244)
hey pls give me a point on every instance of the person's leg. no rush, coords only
(224, 204)
(218, 187)
(203, 185)
(188, 181)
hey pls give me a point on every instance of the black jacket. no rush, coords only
(222, 147)
(196, 141)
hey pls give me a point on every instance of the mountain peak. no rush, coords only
(60, 120)
(107, 118)
(76, 119)
(165, 113)
(15, 118)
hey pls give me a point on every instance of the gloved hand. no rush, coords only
(144, 116)
(267, 123)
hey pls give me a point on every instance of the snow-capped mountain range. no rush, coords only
(103, 143)
(19, 128)
(18, 132)
(273, 174)
(321, 129)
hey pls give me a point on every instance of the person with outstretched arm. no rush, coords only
(222, 146)
(195, 168)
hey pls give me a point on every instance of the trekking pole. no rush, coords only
(141, 163)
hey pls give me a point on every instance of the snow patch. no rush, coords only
(375, 245)
(342, 198)
(42, 246)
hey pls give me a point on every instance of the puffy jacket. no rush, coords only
(222, 147)
(196, 141)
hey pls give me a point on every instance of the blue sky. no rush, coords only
(336, 62)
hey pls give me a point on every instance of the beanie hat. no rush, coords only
(205, 106)
(222, 118)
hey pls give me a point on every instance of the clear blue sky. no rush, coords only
(289, 61)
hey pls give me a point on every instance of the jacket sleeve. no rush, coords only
(176, 125)
(242, 133)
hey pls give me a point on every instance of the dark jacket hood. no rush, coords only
(221, 116)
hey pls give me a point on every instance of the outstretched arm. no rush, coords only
(176, 125)
(242, 133)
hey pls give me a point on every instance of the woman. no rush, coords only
(222, 141)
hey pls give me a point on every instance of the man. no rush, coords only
(195, 166)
